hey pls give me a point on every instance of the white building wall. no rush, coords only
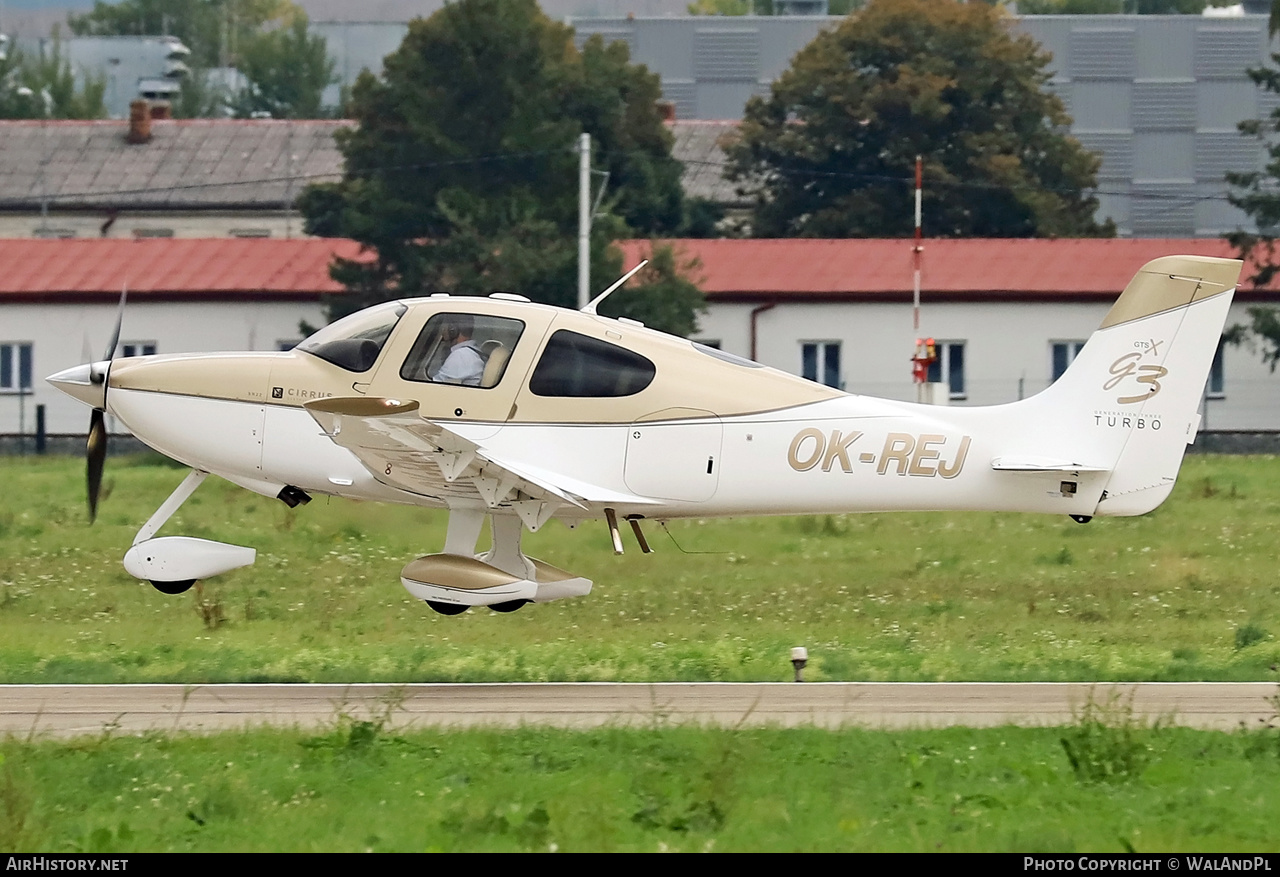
(66, 335)
(1008, 349)
(1007, 346)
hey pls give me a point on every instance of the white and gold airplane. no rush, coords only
(517, 412)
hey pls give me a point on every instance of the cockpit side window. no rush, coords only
(471, 350)
(355, 341)
(577, 365)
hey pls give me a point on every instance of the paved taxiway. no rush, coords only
(67, 710)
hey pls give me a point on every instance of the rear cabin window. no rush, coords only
(470, 350)
(576, 365)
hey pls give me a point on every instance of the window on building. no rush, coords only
(949, 368)
(1216, 388)
(138, 348)
(820, 362)
(153, 232)
(15, 367)
(251, 232)
(1064, 353)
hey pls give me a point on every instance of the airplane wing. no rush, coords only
(405, 451)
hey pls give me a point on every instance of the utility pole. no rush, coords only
(584, 220)
(288, 190)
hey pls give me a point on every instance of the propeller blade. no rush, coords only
(96, 455)
(99, 375)
(115, 336)
(96, 446)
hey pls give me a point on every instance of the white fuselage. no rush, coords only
(851, 454)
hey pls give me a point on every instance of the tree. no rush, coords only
(460, 174)
(214, 30)
(44, 86)
(288, 70)
(833, 147)
(1255, 192)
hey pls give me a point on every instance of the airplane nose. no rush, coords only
(78, 383)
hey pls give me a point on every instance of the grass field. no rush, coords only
(1095, 786)
(1189, 592)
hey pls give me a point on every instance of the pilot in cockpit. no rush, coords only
(465, 363)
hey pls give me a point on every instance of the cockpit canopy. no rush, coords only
(355, 341)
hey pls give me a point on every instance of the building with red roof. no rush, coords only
(1007, 315)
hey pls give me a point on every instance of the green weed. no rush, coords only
(1249, 634)
(1106, 743)
(16, 804)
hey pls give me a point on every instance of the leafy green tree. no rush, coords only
(288, 70)
(214, 30)
(1255, 192)
(265, 40)
(44, 86)
(833, 146)
(461, 174)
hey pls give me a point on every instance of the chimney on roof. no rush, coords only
(161, 110)
(667, 109)
(139, 122)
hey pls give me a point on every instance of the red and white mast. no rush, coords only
(925, 351)
(918, 250)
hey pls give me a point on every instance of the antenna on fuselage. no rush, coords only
(590, 307)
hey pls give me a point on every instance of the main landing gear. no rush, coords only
(502, 578)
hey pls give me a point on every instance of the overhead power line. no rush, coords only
(906, 180)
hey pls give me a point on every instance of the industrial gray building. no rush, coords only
(1159, 97)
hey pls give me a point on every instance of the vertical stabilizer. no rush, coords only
(1132, 395)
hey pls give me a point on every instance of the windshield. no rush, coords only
(355, 341)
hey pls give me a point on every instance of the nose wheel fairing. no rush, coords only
(173, 563)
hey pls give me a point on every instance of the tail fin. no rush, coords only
(1131, 396)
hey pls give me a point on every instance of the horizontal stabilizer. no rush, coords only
(1041, 464)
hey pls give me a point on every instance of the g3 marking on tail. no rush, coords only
(1127, 365)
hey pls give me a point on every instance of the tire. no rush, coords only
(509, 606)
(447, 608)
(173, 587)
